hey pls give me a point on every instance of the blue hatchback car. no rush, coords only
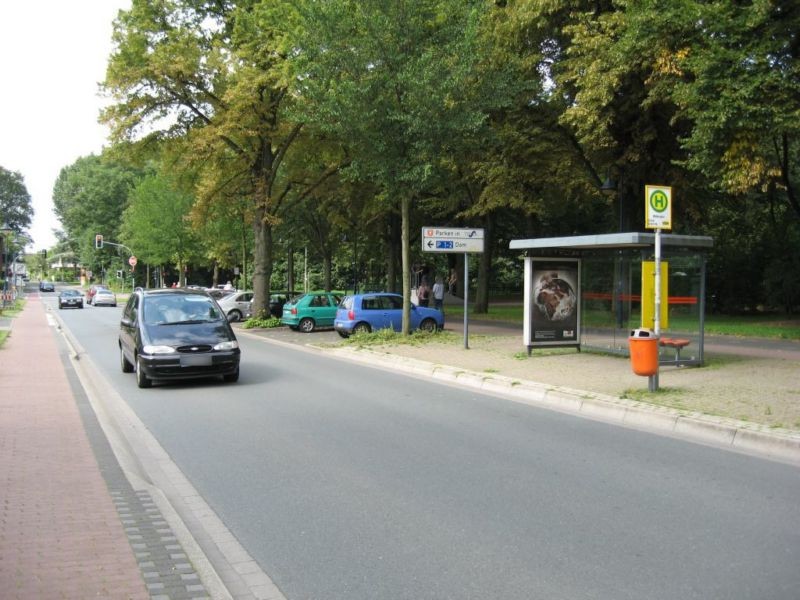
(382, 310)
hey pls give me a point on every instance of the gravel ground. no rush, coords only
(762, 390)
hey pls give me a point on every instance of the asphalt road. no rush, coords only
(349, 483)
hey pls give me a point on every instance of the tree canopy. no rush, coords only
(341, 125)
(89, 197)
(16, 210)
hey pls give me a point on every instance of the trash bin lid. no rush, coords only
(643, 333)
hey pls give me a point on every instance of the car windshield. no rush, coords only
(171, 310)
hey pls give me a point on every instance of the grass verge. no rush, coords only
(786, 327)
(384, 337)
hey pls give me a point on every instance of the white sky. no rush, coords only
(53, 54)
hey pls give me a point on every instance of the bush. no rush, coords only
(261, 323)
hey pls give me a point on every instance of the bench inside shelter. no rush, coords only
(677, 344)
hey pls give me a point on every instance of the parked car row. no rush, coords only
(346, 314)
(238, 305)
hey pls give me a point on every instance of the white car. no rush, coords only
(218, 294)
(104, 298)
(236, 306)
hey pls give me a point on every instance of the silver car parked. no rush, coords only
(236, 306)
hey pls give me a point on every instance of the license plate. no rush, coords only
(200, 360)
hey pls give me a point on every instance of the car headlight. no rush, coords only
(227, 345)
(158, 350)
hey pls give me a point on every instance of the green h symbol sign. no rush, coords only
(658, 207)
(659, 201)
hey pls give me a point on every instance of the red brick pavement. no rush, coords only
(60, 535)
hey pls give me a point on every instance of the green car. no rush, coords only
(311, 310)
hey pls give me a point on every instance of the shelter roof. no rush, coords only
(614, 241)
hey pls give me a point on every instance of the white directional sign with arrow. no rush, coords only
(437, 239)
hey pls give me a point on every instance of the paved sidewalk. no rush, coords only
(60, 533)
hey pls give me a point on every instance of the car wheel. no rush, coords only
(231, 377)
(124, 363)
(343, 334)
(142, 380)
(428, 325)
(362, 328)
(306, 325)
(234, 316)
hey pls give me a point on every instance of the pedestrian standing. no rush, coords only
(423, 293)
(438, 294)
(451, 282)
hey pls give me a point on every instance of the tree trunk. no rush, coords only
(262, 263)
(243, 275)
(405, 211)
(392, 252)
(458, 267)
(327, 267)
(290, 268)
(485, 267)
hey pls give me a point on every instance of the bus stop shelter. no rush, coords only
(592, 291)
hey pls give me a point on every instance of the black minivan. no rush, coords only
(176, 333)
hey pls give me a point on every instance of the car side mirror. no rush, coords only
(126, 322)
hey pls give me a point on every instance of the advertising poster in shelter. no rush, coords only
(555, 302)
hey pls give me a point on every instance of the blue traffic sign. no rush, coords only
(444, 244)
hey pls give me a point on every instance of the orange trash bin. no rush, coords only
(643, 344)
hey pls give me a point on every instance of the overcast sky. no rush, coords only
(53, 54)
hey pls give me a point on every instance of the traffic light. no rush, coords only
(98, 241)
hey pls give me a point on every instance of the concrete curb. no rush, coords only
(780, 445)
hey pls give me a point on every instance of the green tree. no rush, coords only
(227, 236)
(89, 197)
(16, 209)
(210, 79)
(396, 81)
(156, 224)
(702, 96)
(739, 84)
